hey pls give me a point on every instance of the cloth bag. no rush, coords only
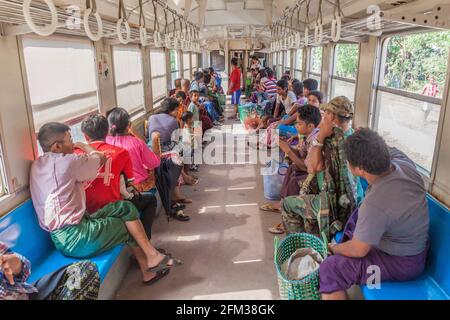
(302, 263)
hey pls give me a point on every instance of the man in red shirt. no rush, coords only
(234, 87)
(105, 188)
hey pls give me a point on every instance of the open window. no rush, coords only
(287, 60)
(129, 78)
(409, 101)
(345, 69)
(298, 64)
(62, 81)
(315, 63)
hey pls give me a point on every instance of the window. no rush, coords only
(315, 63)
(186, 65)
(298, 64)
(62, 81)
(287, 60)
(409, 93)
(159, 79)
(194, 62)
(128, 76)
(3, 188)
(345, 68)
(279, 64)
(174, 67)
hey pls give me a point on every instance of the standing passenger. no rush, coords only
(234, 87)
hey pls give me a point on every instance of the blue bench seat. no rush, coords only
(434, 283)
(21, 232)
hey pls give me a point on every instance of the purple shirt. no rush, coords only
(57, 190)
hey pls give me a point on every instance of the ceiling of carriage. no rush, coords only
(256, 23)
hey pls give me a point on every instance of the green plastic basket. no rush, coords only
(222, 99)
(308, 287)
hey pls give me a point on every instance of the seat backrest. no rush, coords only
(438, 262)
(21, 232)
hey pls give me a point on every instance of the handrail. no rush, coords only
(44, 31)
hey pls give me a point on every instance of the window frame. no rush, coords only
(428, 176)
(161, 97)
(4, 187)
(333, 68)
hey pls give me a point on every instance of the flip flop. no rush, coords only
(163, 265)
(278, 229)
(159, 275)
(269, 208)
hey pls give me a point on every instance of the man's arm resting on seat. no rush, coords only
(354, 248)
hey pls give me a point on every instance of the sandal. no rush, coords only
(270, 208)
(163, 265)
(159, 275)
(278, 229)
(180, 216)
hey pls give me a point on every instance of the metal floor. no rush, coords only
(226, 249)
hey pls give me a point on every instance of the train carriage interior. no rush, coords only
(263, 149)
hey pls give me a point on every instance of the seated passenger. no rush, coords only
(105, 189)
(284, 113)
(144, 160)
(15, 270)
(308, 119)
(297, 88)
(166, 125)
(56, 185)
(390, 229)
(182, 107)
(315, 98)
(309, 85)
(177, 89)
(327, 159)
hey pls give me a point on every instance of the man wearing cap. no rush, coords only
(326, 154)
(338, 113)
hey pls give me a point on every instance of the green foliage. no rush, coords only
(346, 60)
(412, 59)
(316, 59)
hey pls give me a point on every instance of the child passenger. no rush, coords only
(308, 120)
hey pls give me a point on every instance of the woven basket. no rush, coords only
(308, 287)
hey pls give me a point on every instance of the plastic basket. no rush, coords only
(222, 99)
(308, 287)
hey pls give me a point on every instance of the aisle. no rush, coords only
(226, 249)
